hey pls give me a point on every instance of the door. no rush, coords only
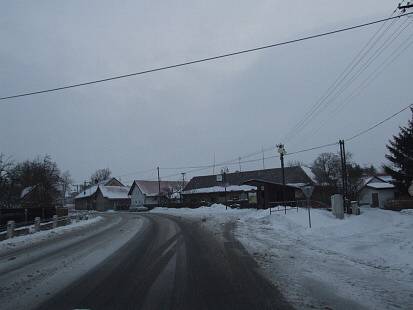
(375, 200)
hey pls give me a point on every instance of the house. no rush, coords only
(36, 196)
(375, 191)
(107, 195)
(260, 187)
(150, 193)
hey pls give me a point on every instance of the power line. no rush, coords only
(399, 50)
(255, 49)
(379, 123)
(337, 88)
(201, 168)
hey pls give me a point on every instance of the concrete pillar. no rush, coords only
(54, 221)
(10, 229)
(337, 206)
(37, 224)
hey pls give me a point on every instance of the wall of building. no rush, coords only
(137, 198)
(103, 204)
(82, 204)
(365, 196)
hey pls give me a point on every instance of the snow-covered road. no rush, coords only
(362, 262)
(34, 267)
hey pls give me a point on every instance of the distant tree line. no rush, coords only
(41, 171)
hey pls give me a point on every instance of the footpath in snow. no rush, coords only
(361, 262)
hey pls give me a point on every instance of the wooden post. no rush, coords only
(37, 224)
(10, 229)
(54, 221)
(159, 189)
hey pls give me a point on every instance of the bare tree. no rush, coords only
(42, 172)
(294, 163)
(66, 181)
(6, 165)
(100, 175)
(326, 169)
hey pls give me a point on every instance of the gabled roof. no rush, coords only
(380, 185)
(114, 192)
(377, 182)
(112, 182)
(151, 188)
(293, 175)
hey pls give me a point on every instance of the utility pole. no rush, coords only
(239, 163)
(183, 185)
(282, 152)
(213, 169)
(343, 172)
(263, 159)
(225, 184)
(159, 188)
(403, 8)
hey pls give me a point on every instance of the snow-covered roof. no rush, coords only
(386, 178)
(26, 190)
(380, 185)
(310, 174)
(221, 189)
(114, 192)
(377, 182)
(87, 192)
(151, 188)
(297, 185)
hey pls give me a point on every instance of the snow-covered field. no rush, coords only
(360, 262)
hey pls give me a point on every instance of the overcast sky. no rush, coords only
(181, 117)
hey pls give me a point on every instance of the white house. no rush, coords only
(376, 190)
(146, 193)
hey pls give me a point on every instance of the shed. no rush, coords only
(376, 191)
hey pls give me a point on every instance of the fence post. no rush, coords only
(309, 213)
(54, 221)
(37, 224)
(10, 229)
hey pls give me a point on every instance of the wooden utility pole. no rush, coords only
(263, 159)
(159, 188)
(282, 152)
(403, 8)
(183, 185)
(225, 186)
(343, 172)
(213, 167)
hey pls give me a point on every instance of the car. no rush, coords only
(138, 209)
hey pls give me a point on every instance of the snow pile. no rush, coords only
(361, 261)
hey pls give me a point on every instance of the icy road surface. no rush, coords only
(34, 267)
(361, 262)
(136, 261)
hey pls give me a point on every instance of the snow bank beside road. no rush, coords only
(362, 261)
(21, 241)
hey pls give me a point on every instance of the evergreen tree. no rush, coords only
(401, 158)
